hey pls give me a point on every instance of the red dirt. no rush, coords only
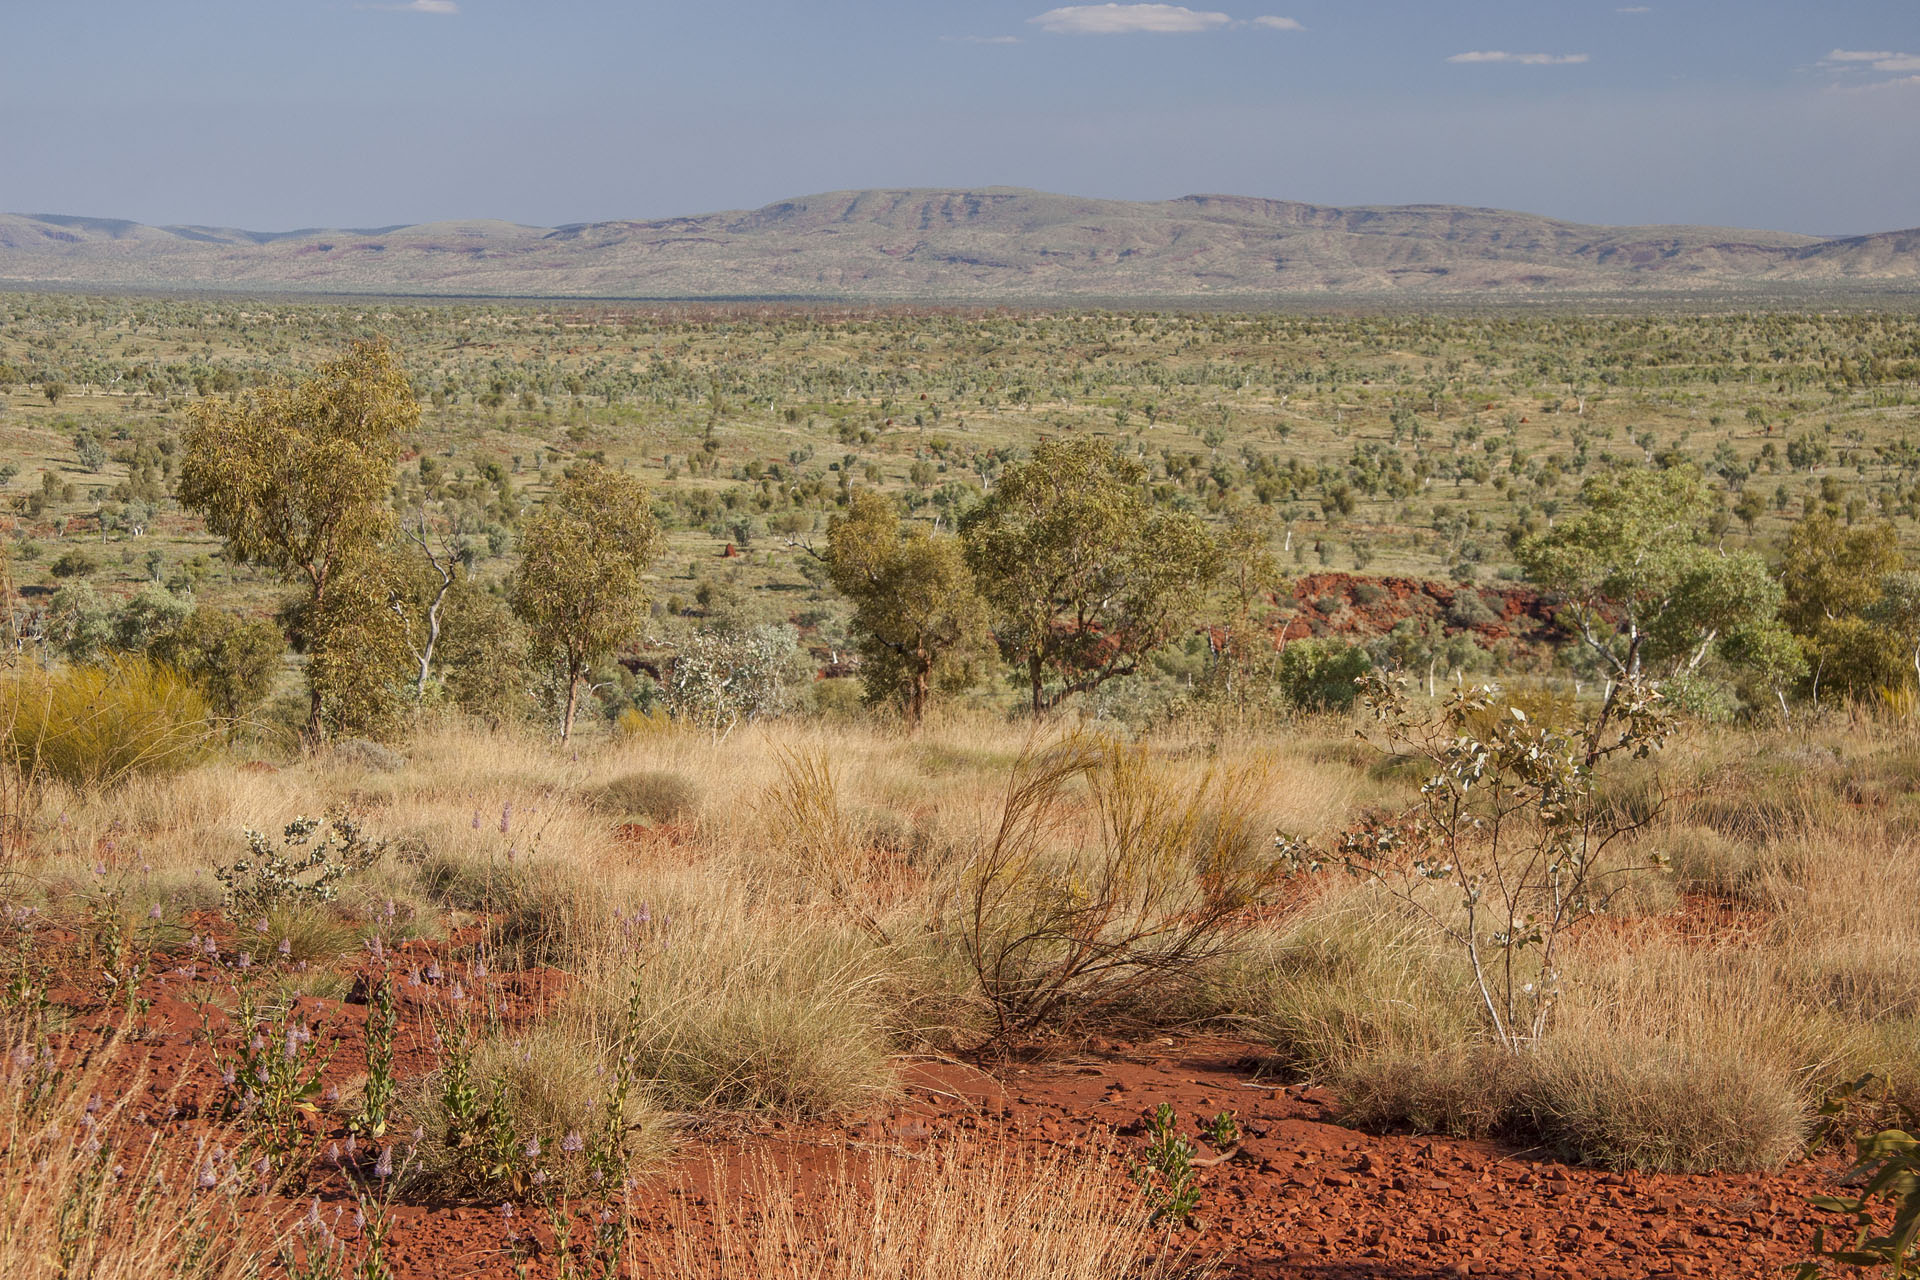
(1374, 606)
(1306, 1197)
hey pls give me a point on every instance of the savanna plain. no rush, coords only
(573, 791)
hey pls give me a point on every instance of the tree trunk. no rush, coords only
(918, 694)
(315, 731)
(1037, 674)
(573, 701)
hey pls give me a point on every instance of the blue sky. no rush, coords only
(273, 114)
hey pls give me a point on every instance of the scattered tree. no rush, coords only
(581, 588)
(231, 658)
(1832, 576)
(1645, 589)
(915, 607)
(1082, 575)
(295, 477)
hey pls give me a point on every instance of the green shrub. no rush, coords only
(76, 563)
(90, 726)
(1470, 609)
(1319, 675)
(651, 795)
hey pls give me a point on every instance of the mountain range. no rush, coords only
(986, 245)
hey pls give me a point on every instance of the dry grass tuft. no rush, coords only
(953, 1213)
(80, 1196)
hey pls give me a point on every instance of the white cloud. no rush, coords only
(1126, 19)
(1876, 86)
(1524, 59)
(1852, 63)
(1278, 24)
(981, 39)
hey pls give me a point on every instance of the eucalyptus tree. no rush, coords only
(1082, 574)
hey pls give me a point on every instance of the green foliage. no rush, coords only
(376, 1096)
(294, 475)
(1646, 586)
(300, 870)
(295, 478)
(79, 626)
(915, 607)
(1887, 1171)
(1898, 612)
(1169, 1169)
(93, 725)
(357, 657)
(1245, 662)
(151, 613)
(1082, 574)
(581, 587)
(233, 659)
(75, 562)
(1833, 576)
(482, 654)
(91, 453)
(1513, 815)
(1321, 675)
(273, 1079)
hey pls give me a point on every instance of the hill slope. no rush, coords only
(990, 244)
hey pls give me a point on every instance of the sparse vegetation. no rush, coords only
(634, 885)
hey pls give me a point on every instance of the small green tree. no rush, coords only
(295, 477)
(1083, 576)
(1833, 576)
(581, 587)
(1898, 610)
(1244, 657)
(231, 658)
(482, 656)
(152, 612)
(720, 679)
(915, 606)
(1645, 588)
(358, 661)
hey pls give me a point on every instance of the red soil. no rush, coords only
(1374, 606)
(1306, 1196)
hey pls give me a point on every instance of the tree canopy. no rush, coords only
(915, 606)
(1081, 573)
(1645, 589)
(581, 587)
(295, 477)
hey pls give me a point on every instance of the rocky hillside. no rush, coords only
(993, 244)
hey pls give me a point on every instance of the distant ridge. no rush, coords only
(990, 244)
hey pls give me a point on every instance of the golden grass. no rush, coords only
(81, 1195)
(796, 929)
(952, 1212)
